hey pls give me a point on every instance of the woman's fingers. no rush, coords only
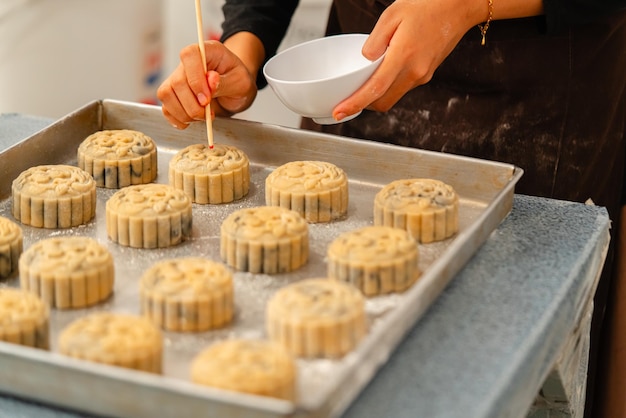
(195, 73)
(178, 99)
(176, 123)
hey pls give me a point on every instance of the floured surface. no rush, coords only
(251, 290)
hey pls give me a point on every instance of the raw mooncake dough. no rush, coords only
(317, 318)
(218, 175)
(264, 239)
(187, 294)
(116, 339)
(149, 216)
(317, 190)
(11, 246)
(428, 209)
(54, 196)
(24, 318)
(250, 366)
(119, 158)
(68, 272)
(375, 259)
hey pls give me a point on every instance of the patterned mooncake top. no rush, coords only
(54, 181)
(373, 244)
(66, 255)
(10, 232)
(111, 333)
(186, 277)
(120, 144)
(199, 158)
(149, 200)
(315, 299)
(307, 176)
(19, 307)
(416, 194)
(264, 223)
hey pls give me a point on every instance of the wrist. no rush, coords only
(506, 9)
(484, 27)
(487, 11)
(479, 11)
(249, 49)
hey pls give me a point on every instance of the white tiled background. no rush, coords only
(55, 56)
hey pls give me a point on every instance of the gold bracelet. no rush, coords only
(485, 27)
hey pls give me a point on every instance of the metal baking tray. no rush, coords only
(325, 387)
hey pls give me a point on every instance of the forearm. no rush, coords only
(249, 48)
(268, 20)
(511, 9)
(506, 9)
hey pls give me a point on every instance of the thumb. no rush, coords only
(231, 91)
(214, 80)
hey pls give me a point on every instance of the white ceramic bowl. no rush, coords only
(313, 77)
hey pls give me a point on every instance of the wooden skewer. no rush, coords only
(207, 110)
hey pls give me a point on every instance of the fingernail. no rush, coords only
(202, 99)
(340, 116)
(213, 79)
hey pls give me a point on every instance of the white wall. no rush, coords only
(56, 56)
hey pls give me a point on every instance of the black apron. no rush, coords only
(552, 105)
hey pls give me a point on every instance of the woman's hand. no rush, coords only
(228, 84)
(417, 36)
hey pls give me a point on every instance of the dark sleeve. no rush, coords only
(267, 19)
(563, 13)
